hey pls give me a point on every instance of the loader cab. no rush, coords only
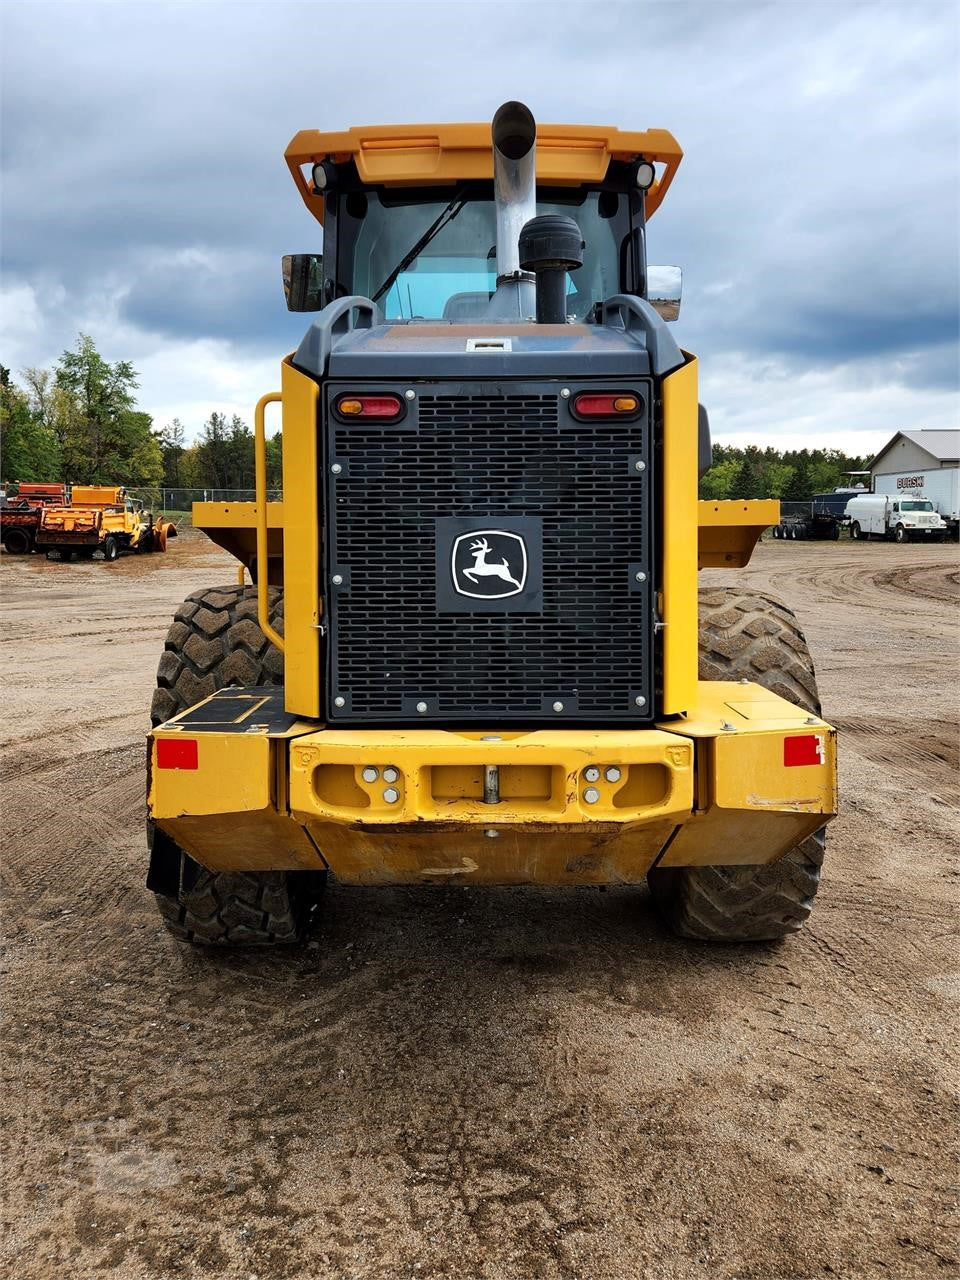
(369, 231)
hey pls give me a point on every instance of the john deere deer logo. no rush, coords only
(482, 569)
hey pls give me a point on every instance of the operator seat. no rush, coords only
(465, 306)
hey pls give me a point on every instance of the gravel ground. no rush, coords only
(483, 1085)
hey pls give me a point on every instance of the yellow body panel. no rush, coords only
(704, 788)
(436, 154)
(233, 525)
(679, 607)
(96, 495)
(238, 842)
(231, 811)
(748, 796)
(441, 776)
(301, 569)
(242, 766)
(729, 530)
(600, 853)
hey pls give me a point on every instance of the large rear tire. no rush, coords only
(746, 635)
(234, 908)
(216, 641)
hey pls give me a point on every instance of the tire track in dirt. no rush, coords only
(927, 748)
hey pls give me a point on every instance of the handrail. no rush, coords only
(260, 483)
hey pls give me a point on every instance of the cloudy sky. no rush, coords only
(145, 200)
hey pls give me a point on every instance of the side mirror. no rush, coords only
(303, 281)
(664, 286)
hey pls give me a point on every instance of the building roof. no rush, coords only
(441, 154)
(942, 445)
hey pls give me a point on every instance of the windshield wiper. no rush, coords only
(446, 217)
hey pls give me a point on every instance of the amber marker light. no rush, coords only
(605, 405)
(383, 407)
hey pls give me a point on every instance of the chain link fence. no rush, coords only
(169, 500)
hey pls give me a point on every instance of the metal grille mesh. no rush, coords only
(489, 456)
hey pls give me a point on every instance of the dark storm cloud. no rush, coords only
(814, 214)
(194, 296)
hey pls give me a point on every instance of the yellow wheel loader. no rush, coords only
(475, 652)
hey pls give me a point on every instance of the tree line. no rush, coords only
(793, 475)
(79, 422)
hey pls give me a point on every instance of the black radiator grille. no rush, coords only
(393, 648)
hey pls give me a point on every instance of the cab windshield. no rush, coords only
(454, 275)
(916, 506)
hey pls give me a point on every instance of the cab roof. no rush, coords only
(440, 154)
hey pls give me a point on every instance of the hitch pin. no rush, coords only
(491, 784)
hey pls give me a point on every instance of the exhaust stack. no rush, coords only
(515, 195)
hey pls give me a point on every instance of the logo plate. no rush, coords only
(491, 564)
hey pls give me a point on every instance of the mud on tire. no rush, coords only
(747, 635)
(216, 641)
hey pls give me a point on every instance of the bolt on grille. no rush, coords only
(395, 648)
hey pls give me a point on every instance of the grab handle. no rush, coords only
(260, 481)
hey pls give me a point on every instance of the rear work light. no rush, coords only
(606, 404)
(177, 753)
(807, 749)
(383, 407)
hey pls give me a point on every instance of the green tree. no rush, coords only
(172, 442)
(240, 453)
(717, 483)
(275, 461)
(28, 449)
(212, 453)
(777, 479)
(137, 459)
(100, 430)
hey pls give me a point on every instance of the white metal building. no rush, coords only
(917, 451)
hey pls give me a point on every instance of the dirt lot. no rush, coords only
(468, 1084)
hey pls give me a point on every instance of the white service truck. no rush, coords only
(902, 519)
(941, 486)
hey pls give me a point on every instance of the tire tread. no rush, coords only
(753, 636)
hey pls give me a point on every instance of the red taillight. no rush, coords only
(803, 750)
(177, 753)
(606, 404)
(369, 406)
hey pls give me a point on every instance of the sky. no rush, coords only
(145, 200)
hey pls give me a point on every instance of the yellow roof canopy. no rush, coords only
(437, 154)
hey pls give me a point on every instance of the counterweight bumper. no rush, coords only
(242, 785)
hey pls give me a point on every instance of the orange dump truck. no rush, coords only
(20, 515)
(101, 521)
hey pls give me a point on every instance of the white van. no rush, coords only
(903, 519)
